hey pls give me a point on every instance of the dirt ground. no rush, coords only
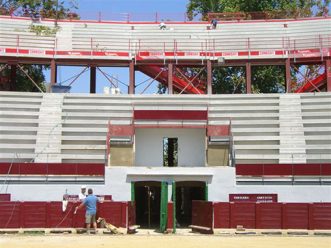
(160, 241)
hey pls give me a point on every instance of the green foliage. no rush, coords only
(281, 8)
(55, 9)
(268, 79)
(229, 80)
(44, 30)
(23, 83)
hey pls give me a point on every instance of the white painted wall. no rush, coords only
(149, 146)
(221, 183)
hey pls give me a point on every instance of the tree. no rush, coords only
(34, 8)
(265, 79)
(303, 8)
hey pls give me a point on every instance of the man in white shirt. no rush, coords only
(82, 194)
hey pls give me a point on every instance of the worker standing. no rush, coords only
(90, 203)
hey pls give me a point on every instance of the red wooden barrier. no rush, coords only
(113, 212)
(320, 216)
(56, 218)
(242, 214)
(221, 214)
(202, 214)
(268, 215)
(131, 213)
(10, 214)
(295, 215)
(34, 214)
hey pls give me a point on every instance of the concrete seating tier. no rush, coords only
(272, 128)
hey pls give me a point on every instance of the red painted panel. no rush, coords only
(249, 170)
(57, 218)
(268, 215)
(219, 130)
(263, 198)
(4, 197)
(170, 115)
(277, 169)
(131, 213)
(326, 170)
(51, 169)
(202, 214)
(121, 130)
(62, 169)
(283, 169)
(242, 214)
(221, 214)
(112, 212)
(33, 168)
(9, 168)
(34, 214)
(320, 216)
(295, 215)
(91, 169)
(124, 211)
(9, 214)
(307, 169)
(78, 219)
(170, 215)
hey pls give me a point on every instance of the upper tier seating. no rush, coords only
(228, 37)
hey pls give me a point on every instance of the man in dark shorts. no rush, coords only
(90, 203)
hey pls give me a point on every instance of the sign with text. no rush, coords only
(266, 198)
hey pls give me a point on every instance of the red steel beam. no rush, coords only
(328, 74)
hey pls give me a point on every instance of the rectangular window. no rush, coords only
(170, 152)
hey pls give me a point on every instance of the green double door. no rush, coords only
(152, 198)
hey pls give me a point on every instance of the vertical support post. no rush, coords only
(170, 80)
(53, 72)
(132, 78)
(328, 74)
(174, 220)
(288, 76)
(13, 74)
(206, 191)
(92, 79)
(248, 78)
(133, 198)
(209, 77)
(164, 207)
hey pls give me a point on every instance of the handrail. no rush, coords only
(211, 45)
